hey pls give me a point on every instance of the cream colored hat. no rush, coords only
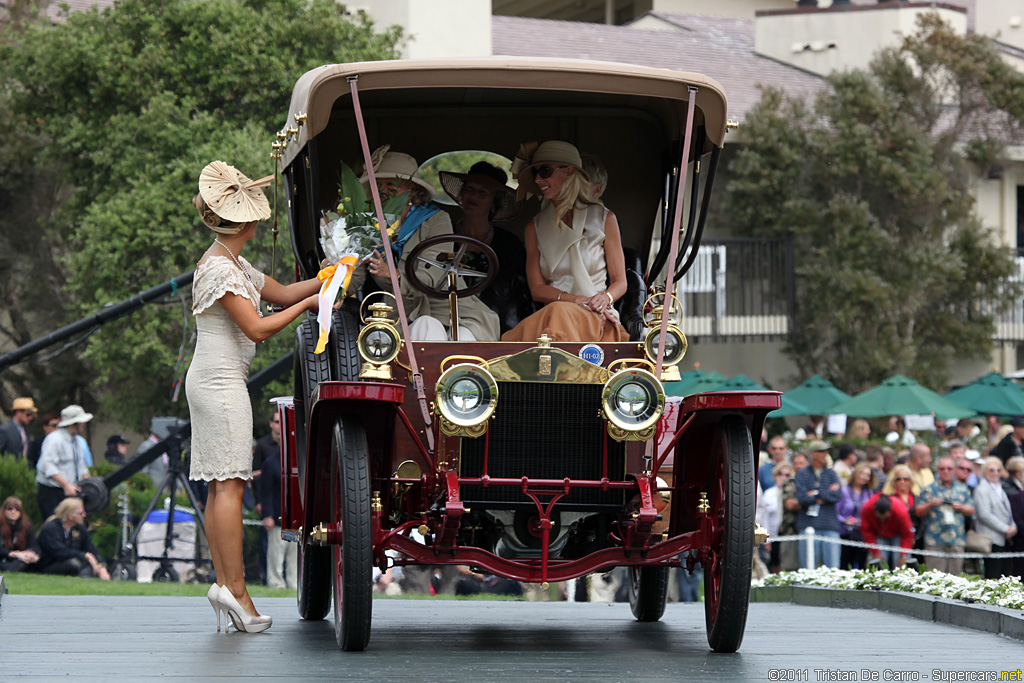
(73, 415)
(232, 197)
(388, 164)
(553, 153)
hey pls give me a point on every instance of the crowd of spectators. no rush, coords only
(897, 495)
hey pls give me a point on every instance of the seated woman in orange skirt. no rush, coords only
(573, 248)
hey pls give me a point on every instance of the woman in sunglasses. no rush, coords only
(900, 485)
(574, 260)
(18, 547)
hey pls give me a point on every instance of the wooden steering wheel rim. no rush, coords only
(471, 243)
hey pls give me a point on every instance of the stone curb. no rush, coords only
(999, 620)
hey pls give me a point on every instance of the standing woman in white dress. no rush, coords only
(226, 297)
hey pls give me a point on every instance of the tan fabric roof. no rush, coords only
(316, 91)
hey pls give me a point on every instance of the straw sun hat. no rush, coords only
(232, 196)
(388, 164)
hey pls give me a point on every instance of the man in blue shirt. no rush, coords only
(818, 491)
(778, 452)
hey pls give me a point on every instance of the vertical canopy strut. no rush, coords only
(417, 376)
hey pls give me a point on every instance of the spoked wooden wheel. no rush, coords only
(648, 590)
(352, 557)
(731, 495)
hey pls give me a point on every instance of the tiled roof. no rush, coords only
(53, 10)
(722, 48)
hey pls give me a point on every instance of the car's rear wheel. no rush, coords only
(353, 555)
(727, 574)
(310, 369)
(313, 578)
(313, 581)
(648, 590)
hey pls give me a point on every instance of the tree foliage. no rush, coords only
(895, 271)
(129, 104)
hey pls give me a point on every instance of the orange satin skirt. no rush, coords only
(567, 322)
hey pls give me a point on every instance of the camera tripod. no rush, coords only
(174, 482)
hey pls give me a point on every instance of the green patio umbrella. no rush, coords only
(818, 395)
(992, 394)
(694, 382)
(900, 395)
(744, 383)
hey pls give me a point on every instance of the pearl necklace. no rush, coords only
(244, 271)
(237, 262)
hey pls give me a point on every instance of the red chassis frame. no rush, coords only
(685, 438)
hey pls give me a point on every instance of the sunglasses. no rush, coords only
(902, 479)
(967, 468)
(546, 171)
(11, 507)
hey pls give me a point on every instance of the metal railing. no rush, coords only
(739, 288)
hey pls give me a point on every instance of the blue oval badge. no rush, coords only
(592, 353)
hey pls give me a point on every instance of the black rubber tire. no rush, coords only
(353, 557)
(648, 592)
(313, 581)
(345, 359)
(731, 495)
(165, 575)
(310, 369)
(122, 571)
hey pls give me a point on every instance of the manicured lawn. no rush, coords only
(37, 584)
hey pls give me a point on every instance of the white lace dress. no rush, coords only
(215, 384)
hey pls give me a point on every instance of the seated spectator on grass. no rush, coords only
(19, 550)
(66, 546)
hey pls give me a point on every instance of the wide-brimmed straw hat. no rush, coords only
(487, 175)
(388, 164)
(232, 196)
(26, 404)
(552, 152)
(73, 415)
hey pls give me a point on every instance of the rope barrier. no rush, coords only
(891, 548)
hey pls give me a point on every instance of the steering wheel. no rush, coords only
(448, 264)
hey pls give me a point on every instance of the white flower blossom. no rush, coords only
(1004, 592)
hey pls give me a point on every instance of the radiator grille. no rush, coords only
(547, 431)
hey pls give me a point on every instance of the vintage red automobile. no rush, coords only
(538, 461)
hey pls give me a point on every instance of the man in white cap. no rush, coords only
(14, 435)
(61, 464)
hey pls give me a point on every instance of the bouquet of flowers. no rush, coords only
(353, 227)
(349, 237)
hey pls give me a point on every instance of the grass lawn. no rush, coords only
(38, 584)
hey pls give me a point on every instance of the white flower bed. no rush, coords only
(1006, 592)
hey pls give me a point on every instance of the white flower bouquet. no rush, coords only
(353, 228)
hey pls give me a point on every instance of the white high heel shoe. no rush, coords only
(212, 595)
(240, 618)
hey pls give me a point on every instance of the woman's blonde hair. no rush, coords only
(65, 508)
(1015, 464)
(575, 188)
(212, 220)
(897, 471)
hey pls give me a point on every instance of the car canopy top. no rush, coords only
(515, 82)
